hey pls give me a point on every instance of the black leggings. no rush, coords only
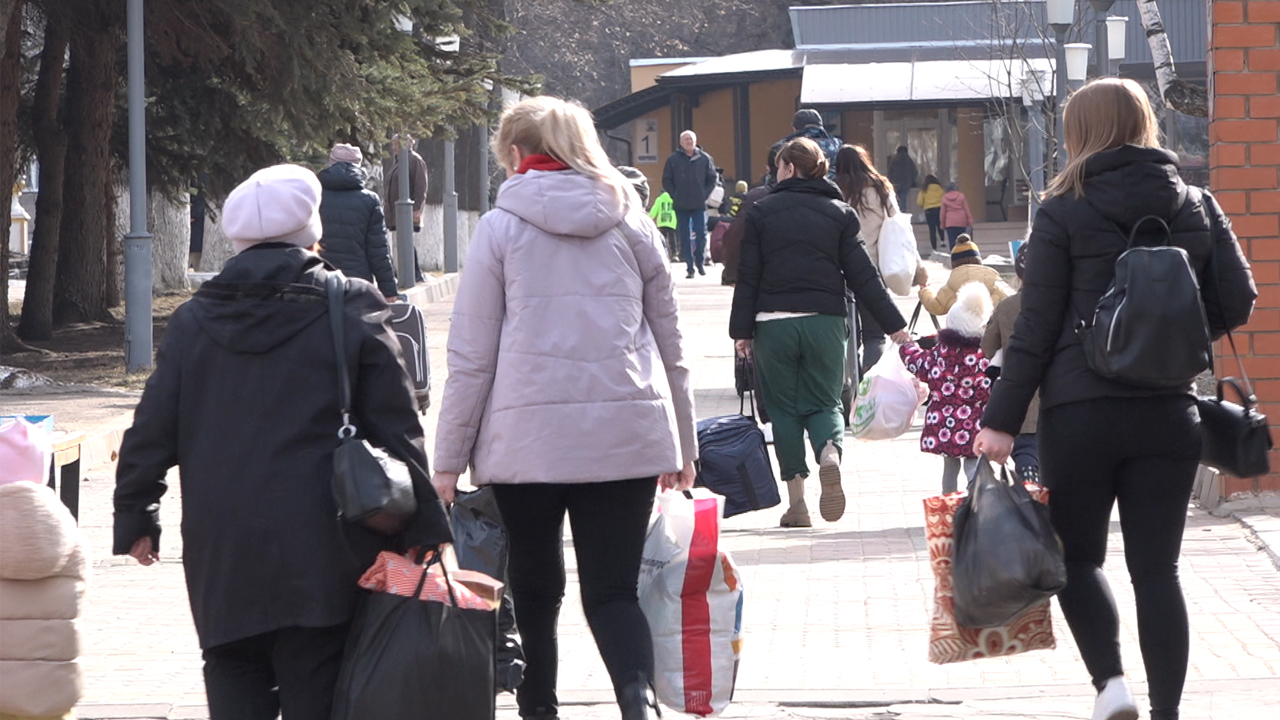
(1148, 469)
(609, 521)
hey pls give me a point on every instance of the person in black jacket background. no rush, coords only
(1101, 441)
(244, 400)
(800, 249)
(689, 177)
(355, 231)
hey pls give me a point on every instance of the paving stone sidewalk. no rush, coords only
(836, 616)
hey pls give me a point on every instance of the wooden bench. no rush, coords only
(65, 469)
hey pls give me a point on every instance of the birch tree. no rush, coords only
(1185, 97)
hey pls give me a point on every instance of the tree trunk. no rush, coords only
(170, 226)
(1177, 93)
(10, 94)
(217, 248)
(51, 152)
(83, 271)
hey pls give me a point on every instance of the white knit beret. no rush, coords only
(276, 204)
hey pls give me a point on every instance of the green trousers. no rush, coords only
(801, 366)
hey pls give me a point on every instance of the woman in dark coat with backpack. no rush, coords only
(1118, 175)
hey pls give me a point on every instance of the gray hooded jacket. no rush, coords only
(565, 354)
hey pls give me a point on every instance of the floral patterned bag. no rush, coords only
(948, 641)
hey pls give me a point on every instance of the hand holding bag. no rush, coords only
(369, 486)
(1236, 438)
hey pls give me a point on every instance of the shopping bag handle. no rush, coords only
(437, 558)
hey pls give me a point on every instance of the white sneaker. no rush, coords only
(1115, 702)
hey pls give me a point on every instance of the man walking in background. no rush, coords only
(807, 123)
(902, 173)
(417, 192)
(689, 177)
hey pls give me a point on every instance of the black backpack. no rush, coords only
(1150, 328)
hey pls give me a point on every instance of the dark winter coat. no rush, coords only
(902, 171)
(1071, 260)
(244, 400)
(955, 371)
(828, 143)
(355, 231)
(732, 247)
(689, 179)
(800, 250)
(417, 188)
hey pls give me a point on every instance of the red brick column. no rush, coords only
(1244, 161)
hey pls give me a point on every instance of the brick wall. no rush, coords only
(1244, 161)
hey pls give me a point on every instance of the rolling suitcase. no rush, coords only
(411, 331)
(734, 462)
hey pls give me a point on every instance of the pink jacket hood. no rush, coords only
(565, 351)
(562, 203)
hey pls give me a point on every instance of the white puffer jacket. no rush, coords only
(43, 569)
(565, 357)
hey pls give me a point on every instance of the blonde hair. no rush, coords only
(805, 155)
(1103, 115)
(563, 130)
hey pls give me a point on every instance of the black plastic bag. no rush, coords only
(409, 658)
(481, 544)
(1006, 556)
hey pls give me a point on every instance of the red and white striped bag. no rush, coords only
(691, 593)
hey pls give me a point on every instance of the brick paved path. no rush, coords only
(833, 613)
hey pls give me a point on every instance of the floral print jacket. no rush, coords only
(955, 371)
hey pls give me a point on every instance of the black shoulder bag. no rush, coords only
(1236, 438)
(370, 487)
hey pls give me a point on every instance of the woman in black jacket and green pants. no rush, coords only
(800, 250)
(1102, 441)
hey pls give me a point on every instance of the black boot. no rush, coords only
(638, 701)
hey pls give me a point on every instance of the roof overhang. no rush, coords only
(629, 107)
(939, 81)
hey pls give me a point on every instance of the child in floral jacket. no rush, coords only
(954, 368)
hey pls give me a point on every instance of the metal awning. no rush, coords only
(928, 81)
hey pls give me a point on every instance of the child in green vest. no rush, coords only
(664, 216)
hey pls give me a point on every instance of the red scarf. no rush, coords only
(545, 163)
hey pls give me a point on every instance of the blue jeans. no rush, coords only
(689, 222)
(952, 234)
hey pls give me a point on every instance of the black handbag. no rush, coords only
(370, 487)
(1236, 438)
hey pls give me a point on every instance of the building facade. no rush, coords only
(960, 84)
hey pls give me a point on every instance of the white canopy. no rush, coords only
(920, 81)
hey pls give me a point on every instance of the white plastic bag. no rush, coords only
(887, 399)
(899, 257)
(691, 594)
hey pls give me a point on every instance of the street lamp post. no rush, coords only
(1100, 10)
(1033, 100)
(1117, 25)
(1061, 15)
(406, 272)
(450, 209)
(137, 244)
